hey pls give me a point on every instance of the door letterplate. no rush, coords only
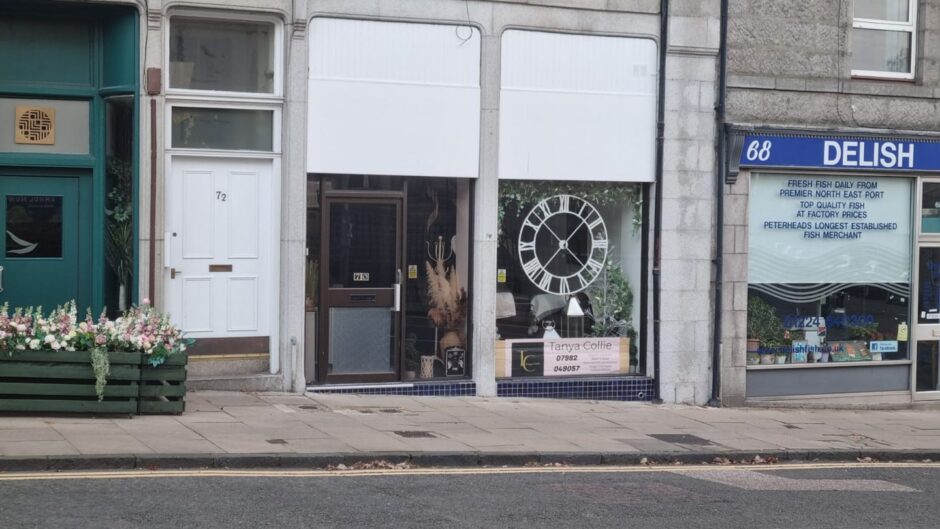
(220, 268)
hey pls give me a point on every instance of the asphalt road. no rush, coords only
(677, 497)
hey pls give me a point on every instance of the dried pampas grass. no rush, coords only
(446, 298)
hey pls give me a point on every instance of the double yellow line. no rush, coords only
(289, 473)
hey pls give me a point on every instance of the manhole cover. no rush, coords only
(680, 439)
(412, 434)
(277, 441)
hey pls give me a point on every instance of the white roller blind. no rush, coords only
(577, 107)
(393, 98)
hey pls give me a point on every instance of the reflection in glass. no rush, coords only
(852, 323)
(33, 226)
(893, 10)
(881, 50)
(361, 340)
(928, 303)
(119, 208)
(558, 230)
(222, 55)
(223, 128)
(363, 240)
(930, 208)
(928, 366)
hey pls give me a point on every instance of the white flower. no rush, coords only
(34, 343)
(49, 339)
(56, 346)
(20, 347)
(21, 328)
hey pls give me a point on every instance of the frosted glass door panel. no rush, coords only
(361, 340)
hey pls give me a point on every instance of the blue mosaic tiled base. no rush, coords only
(619, 388)
(612, 388)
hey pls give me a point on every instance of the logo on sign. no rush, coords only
(360, 276)
(885, 346)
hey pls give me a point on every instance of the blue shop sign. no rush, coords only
(854, 153)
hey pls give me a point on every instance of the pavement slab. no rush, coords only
(270, 425)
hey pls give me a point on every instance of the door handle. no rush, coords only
(396, 294)
(173, 273)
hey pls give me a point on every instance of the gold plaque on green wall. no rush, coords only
(35, 125)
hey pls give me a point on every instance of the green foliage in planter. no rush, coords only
(102, 368)
(518, 196)
(763, 323)
(611, 302)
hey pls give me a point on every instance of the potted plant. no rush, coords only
(58, 363)
(764, 326)
(412, 358)
(867, 333)
(611, 303)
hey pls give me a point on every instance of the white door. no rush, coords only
(219, 240)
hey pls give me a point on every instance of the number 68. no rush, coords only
(758, 150)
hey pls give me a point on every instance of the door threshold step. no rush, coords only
(333, 387)
(251, 382)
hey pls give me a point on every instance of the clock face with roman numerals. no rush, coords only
(563, 244)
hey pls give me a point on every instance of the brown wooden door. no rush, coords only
(361, 319)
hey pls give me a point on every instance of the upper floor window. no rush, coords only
(222, 55)
(883, 38)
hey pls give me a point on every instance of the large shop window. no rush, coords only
(883, 38)
(569, 262)
(829, 269)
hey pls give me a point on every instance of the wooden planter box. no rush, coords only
(64, 382)
(162, 388)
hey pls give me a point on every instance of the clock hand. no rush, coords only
(553, 233)
(578, 228)
(552, 257)
(576, 257)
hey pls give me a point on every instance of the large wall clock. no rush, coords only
(563, 244)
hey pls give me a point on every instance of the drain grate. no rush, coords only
(277, 441)
(680, 439)
(413, 434)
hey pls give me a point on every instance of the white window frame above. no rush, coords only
(222, 17)
(909, 26)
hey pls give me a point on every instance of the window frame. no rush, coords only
(909, 26)
(276, 61)
(191, 103)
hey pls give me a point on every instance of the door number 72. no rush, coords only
(220, 196)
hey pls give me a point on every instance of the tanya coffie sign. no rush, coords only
(879, 154)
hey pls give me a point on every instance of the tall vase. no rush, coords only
(122, 297)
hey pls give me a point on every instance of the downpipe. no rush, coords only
(658, 208)
(720, 115)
